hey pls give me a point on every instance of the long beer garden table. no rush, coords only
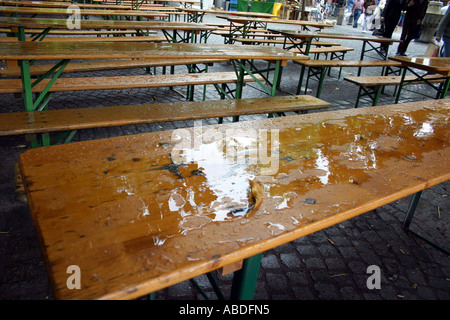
(241, 57)
(306, 37)
(240, 25)
(431, 65)
(293, 36)
(196, 15)
(136, 214)
(173, 31)
(106, 14)
(53, 4)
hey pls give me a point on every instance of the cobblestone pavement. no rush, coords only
(330, 264)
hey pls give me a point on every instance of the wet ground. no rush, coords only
(330, 264)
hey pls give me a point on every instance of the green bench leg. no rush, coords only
(244, 280)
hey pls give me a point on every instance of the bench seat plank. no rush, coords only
(281, 41)
(349, 63)
(36, 70)
(126, 82)
(373, 81)
(84, 118)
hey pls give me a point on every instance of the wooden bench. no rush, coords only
(318, 68)
(127, 82)
(84, 118)
(280, 41)
(337, 52)
(36, 70)
(372, 85)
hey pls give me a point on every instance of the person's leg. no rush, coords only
(411, 32)
(446, 46)
(356, 15)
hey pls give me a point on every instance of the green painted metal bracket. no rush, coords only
(408, 218)
(441, 89)
(244, 280)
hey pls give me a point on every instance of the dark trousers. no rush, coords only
(410, 31)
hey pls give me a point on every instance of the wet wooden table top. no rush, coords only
(240, 19)
(439, 65)
(234, 13)
(53, 4)
(102, 24)
(143, 212)
(90, 12)
(16, 50)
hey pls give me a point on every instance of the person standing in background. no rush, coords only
(369, 8)
(349, 10)
(357, 9)
(415, 11)
(443, 32)
(377, 15)
(390, 17)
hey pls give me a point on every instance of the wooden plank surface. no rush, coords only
(83, 118)
(96, 39)
(127, 82)
(90, 12)
(136, 216)
(239, 19)
(52, 4)
(102, 24)
(371, 81)
(350, 63)
(15, 50)
(329, 35)
(439, 65)
(108, 65)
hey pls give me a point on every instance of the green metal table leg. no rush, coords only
(240, 82)
(244, 281)
(445, 88)
(276, 78)
(408, 218)
(321, 79)
(397, 98)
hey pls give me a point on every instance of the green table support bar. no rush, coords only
(441, 88)
(244, 280)
(408, 218)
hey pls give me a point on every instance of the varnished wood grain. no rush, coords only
(127, 82)
(102, 24)
(96, 39)
(108, 65)
(349, 63)
(240, 19)
(54, 4)
(370, 81)
(90, 12)
(16, 50)
(439, 65)
(328, 35)
(135, 221)
(83, 118)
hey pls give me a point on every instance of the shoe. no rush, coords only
(401, 54)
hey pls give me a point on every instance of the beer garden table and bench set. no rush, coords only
(138, 214)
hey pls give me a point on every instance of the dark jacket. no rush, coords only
(415, 9)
